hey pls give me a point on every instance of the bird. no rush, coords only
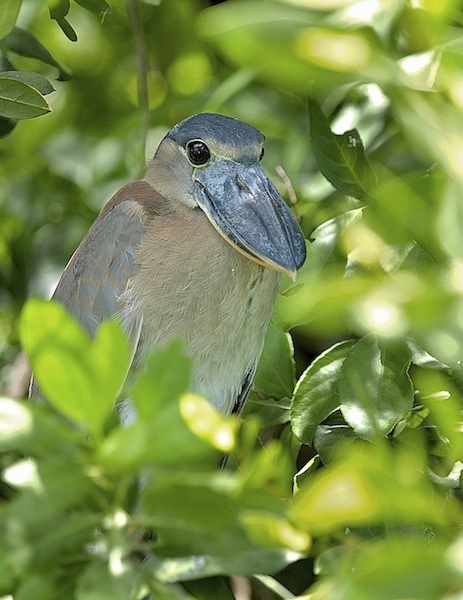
(194, 250)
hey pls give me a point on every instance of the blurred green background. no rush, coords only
(362, 107)
(389, 69)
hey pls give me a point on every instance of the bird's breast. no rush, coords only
(192, 284)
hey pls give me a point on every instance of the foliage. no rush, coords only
(355, 491)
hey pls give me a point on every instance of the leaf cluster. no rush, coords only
(348, 478)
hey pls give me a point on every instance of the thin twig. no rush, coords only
(142, 76)
(287, 183)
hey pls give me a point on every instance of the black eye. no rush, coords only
(262, 152)
(198, 153)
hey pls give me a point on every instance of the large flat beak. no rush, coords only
(247, 210)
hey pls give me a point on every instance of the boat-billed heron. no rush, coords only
(194, 251)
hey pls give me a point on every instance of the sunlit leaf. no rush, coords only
(8, 15)
(109, 355)
(206, 422)
(450, 220)
(367, 484)
(375, 390)
(316, 395)
(80, 378)
(268, 531)
(256, 560)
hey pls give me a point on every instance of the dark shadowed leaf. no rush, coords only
(341, 158)
(67, 29)
(375, 390)
(58, 11)
(211, 587)
(24, 43)
(6, 126)
(316, 395)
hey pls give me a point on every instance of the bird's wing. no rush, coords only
(245, 391)
(97, 274)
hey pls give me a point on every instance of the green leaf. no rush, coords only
(24, 43)
(165, 440)
(270, 42)
(324, 250)
(450, 220)
(375, 390)
(387, 567)
(34, 429)
(316, 392)
(79, 377)
(275, 373)
(340, 158)
(58, 8)
(421, 358)
(330, 440)
(6, 126)
(242, 563)
(8, 15)
(19, 100)
(67, 29)
(368, 484)
(211, 587)
(320, 277)
(39, 587)
(98, 583)
(95, 6)
(110, 359)
(58, 11)
(166, 375)
(34, 80)
(160, 434)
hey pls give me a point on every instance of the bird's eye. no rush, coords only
(198, 153)
(262, 152)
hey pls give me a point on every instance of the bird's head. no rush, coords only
(212, 162)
